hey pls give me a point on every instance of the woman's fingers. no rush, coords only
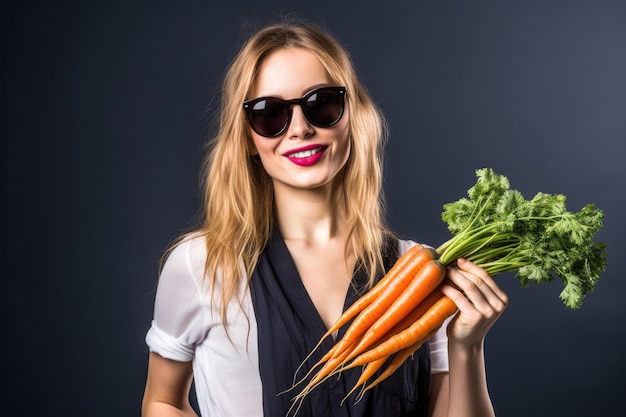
(478, 298)
(479, 276)
(478, 286)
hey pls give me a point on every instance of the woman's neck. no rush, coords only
(313, 215)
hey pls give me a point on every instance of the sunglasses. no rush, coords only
(270, 116)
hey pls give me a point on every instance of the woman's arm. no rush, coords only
(462, 392)
(167, 388)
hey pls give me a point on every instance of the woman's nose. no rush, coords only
(299, 126)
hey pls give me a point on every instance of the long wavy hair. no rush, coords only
(238, 215)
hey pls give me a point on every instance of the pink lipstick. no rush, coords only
(307, 155)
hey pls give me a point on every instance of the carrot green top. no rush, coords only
(498, 229)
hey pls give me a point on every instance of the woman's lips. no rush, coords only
(306, 156)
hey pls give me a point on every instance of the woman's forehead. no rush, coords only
(289, 73)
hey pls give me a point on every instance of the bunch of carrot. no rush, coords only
(497, 229)
(405, 306)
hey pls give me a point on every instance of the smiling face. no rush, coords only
(303, 156)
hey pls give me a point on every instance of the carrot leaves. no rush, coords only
(539, 239)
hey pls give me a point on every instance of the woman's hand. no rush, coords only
(479, 299)
(463, 390)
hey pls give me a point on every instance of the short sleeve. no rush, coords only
(438, 343)
(180, 320)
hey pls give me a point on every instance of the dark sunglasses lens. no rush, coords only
(324, 108)
(269, 117)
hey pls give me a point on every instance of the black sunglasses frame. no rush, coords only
(248, 107)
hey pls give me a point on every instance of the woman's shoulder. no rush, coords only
(405, 244)
(187, 256)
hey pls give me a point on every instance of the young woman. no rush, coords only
(293, 233)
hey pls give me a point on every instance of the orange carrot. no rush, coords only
(425, 282)
(371, 295)
(402, 299)
(401, 356)
(403, 325)
(416, 313)
(330, 368)
(397, 361)
(366, 374)
(336, 361)
(431, 320)
(386, 297)
(364, 301)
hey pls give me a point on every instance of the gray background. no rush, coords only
(106, 108)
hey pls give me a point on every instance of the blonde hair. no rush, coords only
(238, 213)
